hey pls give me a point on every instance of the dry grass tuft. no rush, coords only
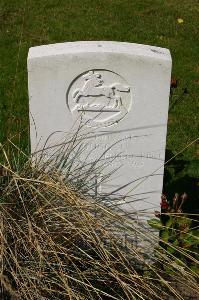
(57, 242)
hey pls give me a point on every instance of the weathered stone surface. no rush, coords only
(121, 92)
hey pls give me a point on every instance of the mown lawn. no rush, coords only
(27, 23)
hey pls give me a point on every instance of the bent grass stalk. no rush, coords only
(58, 242)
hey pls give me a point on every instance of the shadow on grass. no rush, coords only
(177, 180)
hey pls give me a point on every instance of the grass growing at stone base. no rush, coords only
(44, 249)
(171, 24)
(59, 240)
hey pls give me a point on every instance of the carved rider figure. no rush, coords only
(94, 87)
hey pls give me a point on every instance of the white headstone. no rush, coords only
(121, 90)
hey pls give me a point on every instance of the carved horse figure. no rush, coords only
(94, 87)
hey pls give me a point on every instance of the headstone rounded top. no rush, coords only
(99, 46)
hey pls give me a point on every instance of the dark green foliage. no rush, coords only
(179, 232)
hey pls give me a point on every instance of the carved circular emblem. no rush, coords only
(101, 97)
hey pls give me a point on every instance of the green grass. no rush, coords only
(27, 23)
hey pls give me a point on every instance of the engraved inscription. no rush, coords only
(101, 97)
(120, 153)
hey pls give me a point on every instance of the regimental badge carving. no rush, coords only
(101, 97)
